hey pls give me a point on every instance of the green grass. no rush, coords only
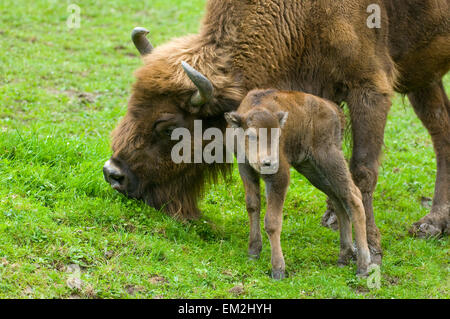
(56, 209)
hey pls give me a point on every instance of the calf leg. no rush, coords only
(276, 188)
(357, 214)
(330, 174)
(253, 203)
(433, 108)
(347, 252)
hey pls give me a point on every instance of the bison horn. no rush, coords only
(204, 86)
(140, 40)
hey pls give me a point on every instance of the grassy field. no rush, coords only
(61, 93)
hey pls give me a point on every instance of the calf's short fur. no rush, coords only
(310, 141)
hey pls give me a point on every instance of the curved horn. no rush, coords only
(140, 40)
(204, 86)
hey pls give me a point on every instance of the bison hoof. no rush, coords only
(376, 256)
(362, 273)
(329, 220)
(278, 274)
(433, 225)
(254, 250)
(425, 230)
(347, 256)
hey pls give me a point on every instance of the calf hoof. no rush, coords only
(329, 220)
(278, 274)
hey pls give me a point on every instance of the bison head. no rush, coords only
(168, 93)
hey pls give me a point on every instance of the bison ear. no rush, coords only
(282, 118)
(233, 119)
(205, 89)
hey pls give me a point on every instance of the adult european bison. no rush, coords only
(322, 47)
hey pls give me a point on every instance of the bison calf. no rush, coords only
(310, 131)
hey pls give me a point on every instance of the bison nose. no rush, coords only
(113, 175)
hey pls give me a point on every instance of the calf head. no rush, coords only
(262, 129)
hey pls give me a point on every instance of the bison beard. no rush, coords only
(179, 198)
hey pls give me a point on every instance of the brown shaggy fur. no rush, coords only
(322, 47)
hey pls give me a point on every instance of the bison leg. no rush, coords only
(276, 188)
(432, 106)
(368, 112)
(253, 203)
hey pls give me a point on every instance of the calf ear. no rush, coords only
(233, 119)
(282, 118)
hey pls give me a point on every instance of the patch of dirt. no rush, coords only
(392, 280)
(109, 254)
(28, 291)
(161, 231)
(73, 268)
(4, 262)
(227, 272)
(14, 266)
(306, 293)
(158, 280)
(237, 290)
(362, 290)
(90, 292)
(130, 228)
(83, 97)
(132, 289)
(74, 283)
(59, 266)
(119, 47)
